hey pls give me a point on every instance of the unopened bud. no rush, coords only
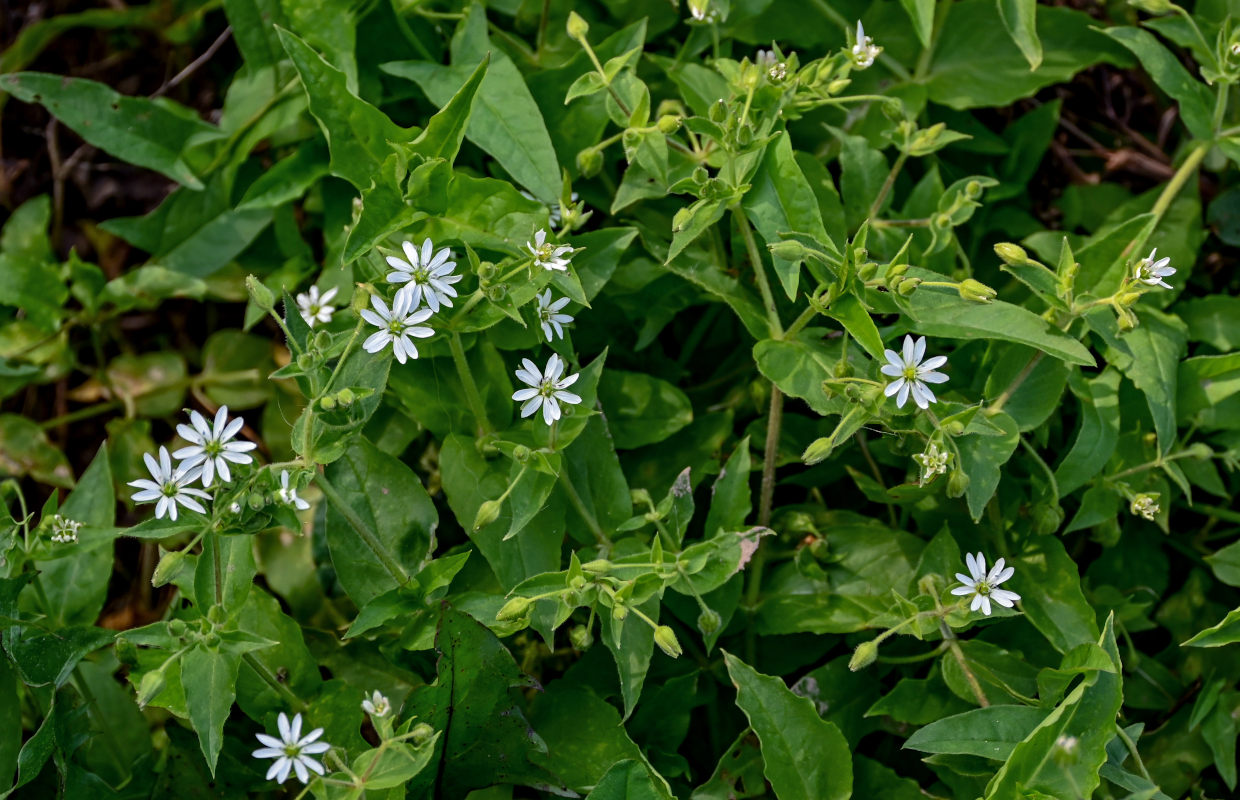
(908, 286)
(305, 362)
(327, 403)
(665, 638)
(488, 512)
(421, 734)
(819, 549)
(1153, 6)
(709, 621)
(212, 640)
(681, 218)
(577, 582)
(718, 111)
(620, 612)
(599, 566)
(942, 221)
(1012, 254)
(496, 292)
(1126, 320)
(516, 608)
(589, 162)
(788, 250)
(1128, 298)
(577, 27)
(260, 294)
(700, 175)
(669, 124)
(150, 686)
(345, 397)
(215, 614)
(976, 291)
(973, 190)
(957, 484)
(838, 85)
(177, 628)
(580, 637)
(487, 271)
(322, 340)
(168, 565)
(842, 369)
(520, 454)
(818, 450)
(865, 655)
(867, 270)
(954, 428)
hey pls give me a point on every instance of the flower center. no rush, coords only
(546, 252)
(292, 750)
(546, 388)
(910, 373)
(983, 588)
(396, 327)
(420, 274)
(169, 489)
(212, 447)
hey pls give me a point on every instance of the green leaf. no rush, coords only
(210, 680)
(945, 313)
(1099, 432)
(632, 646)
(288, 179)
(10, 722)
(641, 409)
(850, 313)
(357, 133)
(1050, 589)
(77, 586)
(1195, 100)
(484, 736)
(1020, 19)
(25, 450)
(584, 735)
(1149, 356)
(1088, 715)
(992, 732)
(806, 757)
(628, 780)
(975, 33)
(730, 498)
(744, 303)
(921, 14)
(156, 134)
(1226, 564)
(781, 201)
(394, 765)
(44, 657)
(506, 122)
(982, 456)
(798, 367)
(28, 268)
(1226, 631)
(444, 132)
(390, 500)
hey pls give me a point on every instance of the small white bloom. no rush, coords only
(64, 530)
(1235, 48)
(212, 447)
(932, 462)
(700, 9)
(864, 51)
(549, 315)
(169, 486)
(425, 275)
(549, 255)
(292, 751)
(314, 307)
(288, 495)
(1145, 505)
(768, 62)
(1151, 270)
(396, 326)
(546, 389)
(983, 586)
(912, 374)
(376, 705)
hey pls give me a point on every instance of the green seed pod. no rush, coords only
(260, 294)
(718, 111)
(1012, 254)
(589, 162)
(421, 734)
(599, 566)
(514, 609)
(709, 621)
(488, 512)
(669, 124)
(957, 484)
(976, 291)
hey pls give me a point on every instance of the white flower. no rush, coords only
(376, 705)
(168, 486)
(314, 307)
(288, 495)
(912, 374)
(64, 530)
(396, 326)
(292, 751)
(549, 255)
(864, 51)
(700, 9)
(983, 586)
(1145, 505)
(767, 61)
(932, 462)
(1151, 270)
(426, 275)
(549, 317)
(211, 447)
(546, 389)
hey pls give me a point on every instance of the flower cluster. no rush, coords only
(210, 450)
(64, 530)
(932, 462)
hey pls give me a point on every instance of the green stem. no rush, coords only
(887, 184)
(1132, 748)
(467, 381)
(770, 456)
(1169, 193)
(295, 702)
(1002, 399)
(954, 644)
(759, 272)
(348, 348)
(585, 513)
(367, 536)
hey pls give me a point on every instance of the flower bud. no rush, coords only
(177, 628)
(1126, 320)
(818, 450)
(150, 686)
(322, 340)
(345, 397)
(487, 271)
(665, 638)
(421, 734)
(957, 484)
(954, 428)
(896, 270)
(305, 362)
(1012, 254)
(599, 566)
(1128, 298)
(327, 403)
(865, 655)
(212, 640)
(744, 136)
(620, 612)
(709, 621)
(681, 218)
(360, 301)
(700, 175)
(496, 292)
(1154, 6)
(942, 221)
(838, 85)
(908, 286)
(215, 614)
(260, 294)
(577, 27)
(577, 582)
(488, 512)
(789, 250)
(976, 291)
(516, 608)
(669, 124)
(718, 111)
(589, 162)
(580, 637)
(520, 454)
(842, 369)
(168, 565)
(972, 189)
(819, 549)
(255, 501)
(867, 270)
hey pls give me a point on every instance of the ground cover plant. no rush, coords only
(735, 399)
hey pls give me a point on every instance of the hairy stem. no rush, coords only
(367, 536)
(467, 381)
